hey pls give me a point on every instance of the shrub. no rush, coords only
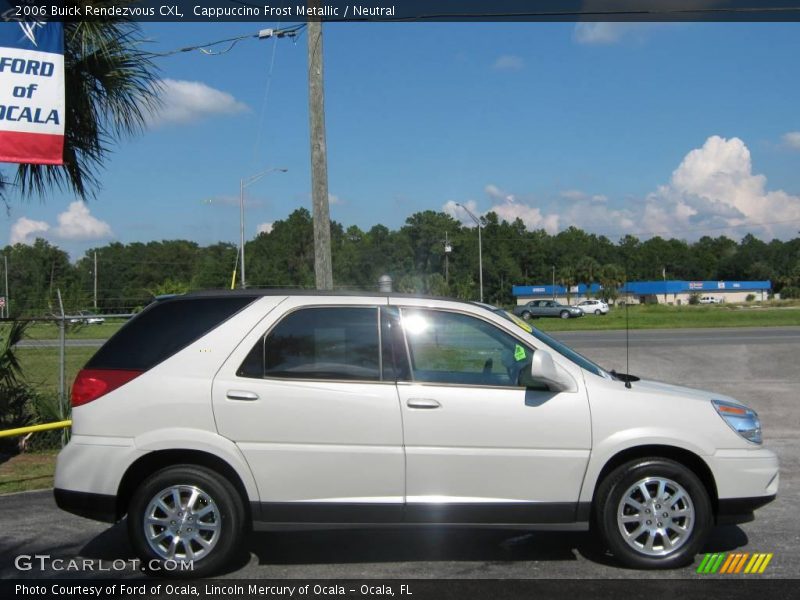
(694, 299)
(750, 297)
(790, 291)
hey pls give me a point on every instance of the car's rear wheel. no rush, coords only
(653, 513)
(526, 315)
(186, 513)
(564, 314)
(598, 312)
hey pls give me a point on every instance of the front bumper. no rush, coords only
(746, 480)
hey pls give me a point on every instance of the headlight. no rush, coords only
(741, 419)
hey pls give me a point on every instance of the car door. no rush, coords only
(311, 402)
(480, 448)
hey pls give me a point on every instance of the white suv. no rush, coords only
(593, 307)
(214, 412)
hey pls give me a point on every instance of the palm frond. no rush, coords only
(111, 87)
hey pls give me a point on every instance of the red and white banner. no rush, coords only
(32, 92)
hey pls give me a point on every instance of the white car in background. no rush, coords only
(593, 307)
(710, 300)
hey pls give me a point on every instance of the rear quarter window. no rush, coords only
(163, 329)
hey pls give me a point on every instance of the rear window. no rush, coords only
(163, 329)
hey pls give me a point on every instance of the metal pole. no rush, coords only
(8, 300)
(95, 281)
(554, 282)
(241, 228)
(61, 362)
(323, 273)
(480, 260)
(480, 250)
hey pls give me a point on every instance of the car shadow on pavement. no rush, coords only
(418, 544)
(410, 544)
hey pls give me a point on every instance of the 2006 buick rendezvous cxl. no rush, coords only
(214, 412)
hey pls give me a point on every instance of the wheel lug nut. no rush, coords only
(649, 522)
(658, 506)
(665, 515)
(647, 510)
(172, 522)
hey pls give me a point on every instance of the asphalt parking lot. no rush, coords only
(757, 366)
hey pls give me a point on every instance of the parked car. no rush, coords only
(87, 318)
(546, 308)
(212, 412)
(710, 300)
(593, 307)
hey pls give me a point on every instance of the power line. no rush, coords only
(204, 48)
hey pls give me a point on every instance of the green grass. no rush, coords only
(40, 366)
(49, 330)
(29, 471)
(659, 316)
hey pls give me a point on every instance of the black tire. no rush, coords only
(564, 314)
(526, 315)
(610, 494)
(229, 515)
(598, 312)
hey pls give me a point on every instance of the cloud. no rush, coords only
(25, 230)
(496, 193)
(605, 33)
(715, 187)
(265, 227)
(579, 196)
(334, 199)
(532, 217)
(713, 191)
(509, 62)
(77, 223)
(188, 101)
(792, 140)
(451, 208)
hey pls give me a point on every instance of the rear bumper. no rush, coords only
(99, 507)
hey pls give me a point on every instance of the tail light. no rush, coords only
(90, 384)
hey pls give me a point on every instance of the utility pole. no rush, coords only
(95, 281)
(319, 158)
(8, 301)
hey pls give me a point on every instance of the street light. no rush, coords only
(243, 183)
(480, 249)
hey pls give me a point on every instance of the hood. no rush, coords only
(659, 387)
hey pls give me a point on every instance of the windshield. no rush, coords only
(553, 343)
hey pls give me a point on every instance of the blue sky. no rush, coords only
(676, 129)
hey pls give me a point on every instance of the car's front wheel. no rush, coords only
(598, 312)
(183, 514)
(653, 513)
(526, 315)
(564, 314)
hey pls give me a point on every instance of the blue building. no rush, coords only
(663, 292)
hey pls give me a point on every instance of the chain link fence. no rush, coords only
(37, 368)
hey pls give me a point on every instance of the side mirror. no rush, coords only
(544, 370)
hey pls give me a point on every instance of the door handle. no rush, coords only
(422, 403)
(241, 395)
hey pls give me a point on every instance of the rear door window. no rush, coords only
(339, 343)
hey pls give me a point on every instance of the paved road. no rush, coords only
(74, 343)
(759, 367)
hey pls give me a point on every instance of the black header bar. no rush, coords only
(210, 11)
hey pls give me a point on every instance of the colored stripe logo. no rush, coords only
(735, 562)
